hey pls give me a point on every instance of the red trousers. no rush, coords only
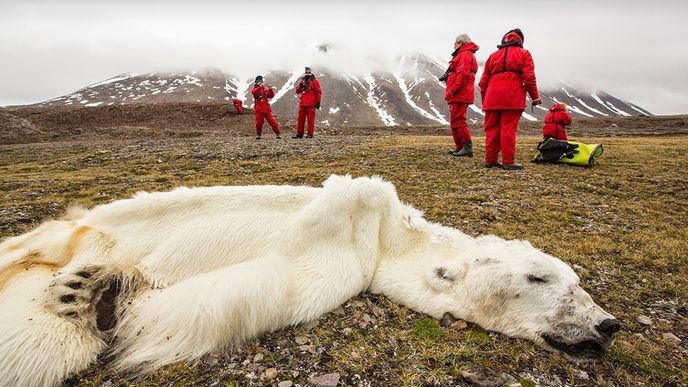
(500, 135)
(457, 122)
(260, 117)
(305, 111)
(557, 133)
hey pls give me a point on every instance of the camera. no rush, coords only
(444, 76)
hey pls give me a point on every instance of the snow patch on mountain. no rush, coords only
(375, 103)
(405, 90)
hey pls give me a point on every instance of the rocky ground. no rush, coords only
(185, 120)
(621, 225)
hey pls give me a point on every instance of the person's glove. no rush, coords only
(317, 105)
(536, 102)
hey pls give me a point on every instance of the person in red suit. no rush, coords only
(460, 92)
(308, 90)
(238, 105)
(508, 74)
(556, 121)
(262, 94)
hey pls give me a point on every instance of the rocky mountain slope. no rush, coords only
(408, 94)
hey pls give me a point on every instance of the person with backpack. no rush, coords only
(460, 92)
(308, 90)
(556, 121)
(508, 74)
(262, 94)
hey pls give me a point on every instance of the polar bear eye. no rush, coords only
(536, 279)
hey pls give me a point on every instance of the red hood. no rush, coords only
(469, 46)
(511, 36)
(557, 107)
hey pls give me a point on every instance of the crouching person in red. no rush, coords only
(556, 121)
(460, 92)
(508, 74)
(238, 105)
(262, 94)
(308, 89)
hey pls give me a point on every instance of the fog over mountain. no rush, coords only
(631, 50)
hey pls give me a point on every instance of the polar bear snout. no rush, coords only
(608, 327)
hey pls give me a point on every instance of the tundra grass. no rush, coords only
(620, 224)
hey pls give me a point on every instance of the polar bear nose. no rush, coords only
(609, 326)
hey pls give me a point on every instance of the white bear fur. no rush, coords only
(209, 268)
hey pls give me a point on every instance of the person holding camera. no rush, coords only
(460, 92)
(308, 90)
(508, 74)
(262, 94)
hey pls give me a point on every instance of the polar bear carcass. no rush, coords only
(178, 274)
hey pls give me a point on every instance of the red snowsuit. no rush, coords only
(508, 74)
(460, 91)
(308, 89)
(263, 110)
(555, 121)
(238, 105)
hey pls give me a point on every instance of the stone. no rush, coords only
(258, 358)
(459, 325)
(285, 383)
(671, 338)
(447, 320)
(347, 331)
(270, 373)
(301, 340)
(643, 320)
(480, 376)
(327, 380)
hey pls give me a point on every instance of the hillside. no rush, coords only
(141, 120)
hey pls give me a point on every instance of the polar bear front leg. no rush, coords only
(209, 311)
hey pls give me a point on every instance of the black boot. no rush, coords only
(466, 150)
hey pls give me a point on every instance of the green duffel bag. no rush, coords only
(567, 152)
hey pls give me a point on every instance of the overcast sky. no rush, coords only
(635, 50)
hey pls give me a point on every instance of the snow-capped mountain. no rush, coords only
(408, 94)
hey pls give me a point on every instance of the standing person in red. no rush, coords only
(308, 89)
(556, 121)
(509, 73)
(262, 94)
(460, 92)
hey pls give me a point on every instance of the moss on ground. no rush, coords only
(620, 224)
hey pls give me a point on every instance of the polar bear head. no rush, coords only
(513, 288)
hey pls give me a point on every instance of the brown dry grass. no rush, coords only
(621, 224)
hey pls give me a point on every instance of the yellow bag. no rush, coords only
(567, 152)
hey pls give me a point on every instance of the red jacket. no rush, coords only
(261, 96)
(238, 105)
(461, 79)
(309, 90)
(509, 72)
(555, 122)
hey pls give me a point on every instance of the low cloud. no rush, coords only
(632, 51)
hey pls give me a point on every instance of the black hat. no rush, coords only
(518, 32)
(259, 78)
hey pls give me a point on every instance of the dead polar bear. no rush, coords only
(178, 274)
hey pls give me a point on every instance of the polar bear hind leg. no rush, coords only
(64, 327)
(94, 296)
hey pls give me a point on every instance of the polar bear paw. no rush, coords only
(89, 297)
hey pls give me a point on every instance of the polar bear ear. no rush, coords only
(444, 276)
